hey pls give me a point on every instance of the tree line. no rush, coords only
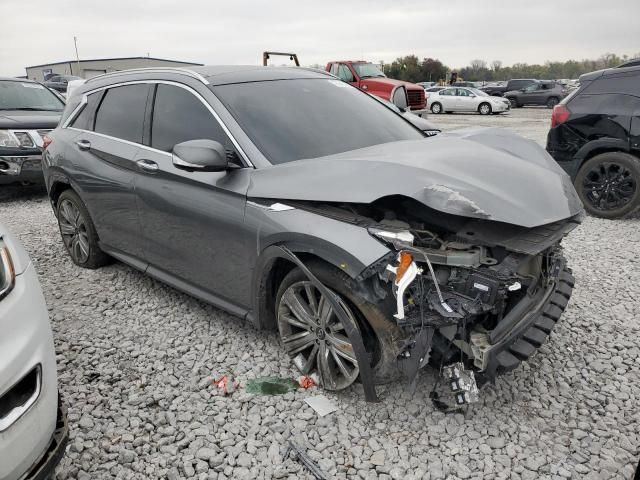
(412, 69)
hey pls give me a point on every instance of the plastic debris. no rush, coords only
(308, 381)
(321, 404)
(227, 384)
(271, 386)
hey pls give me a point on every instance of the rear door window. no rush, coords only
(121, 112)
(179, 116)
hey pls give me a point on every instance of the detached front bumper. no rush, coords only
(523, 331)
(44, 468)
(23, 168)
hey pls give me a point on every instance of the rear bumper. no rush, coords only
(26, 168)
(516, 340)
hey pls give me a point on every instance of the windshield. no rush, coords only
(367, 70)
(15, 95)
(290, 120)
(479, 93)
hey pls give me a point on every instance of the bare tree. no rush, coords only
(496, 65)
(478, 65)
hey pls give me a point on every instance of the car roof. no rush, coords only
(609, 71)
(226, 74)
(14, 79)
(210, 74)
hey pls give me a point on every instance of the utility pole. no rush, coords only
(75, 42)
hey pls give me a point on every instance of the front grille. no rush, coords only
(416, 98)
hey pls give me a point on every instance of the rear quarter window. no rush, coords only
(624, 83)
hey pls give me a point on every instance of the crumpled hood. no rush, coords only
(19, 119)
(483, 173)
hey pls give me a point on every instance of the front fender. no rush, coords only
(348, 247)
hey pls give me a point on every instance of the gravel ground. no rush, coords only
(136, 357)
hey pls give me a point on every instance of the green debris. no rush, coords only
(271, 386)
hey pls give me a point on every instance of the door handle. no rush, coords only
(147, 165)
(83, 145)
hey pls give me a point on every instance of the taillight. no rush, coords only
(46, 141)
(560, 115)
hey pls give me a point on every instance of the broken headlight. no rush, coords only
(399, 239)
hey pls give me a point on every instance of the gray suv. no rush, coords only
(298, 202)
(545, 93)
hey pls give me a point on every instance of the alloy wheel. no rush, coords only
(485, 109)
(609, 186)
(314, 336)
(74, 231)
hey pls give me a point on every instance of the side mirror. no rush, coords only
(400, 99)
(200, 156)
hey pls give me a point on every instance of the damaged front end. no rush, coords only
(471, 297)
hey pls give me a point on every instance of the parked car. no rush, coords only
(417, 121)
(28, 111)
(289, 198)
(498, 90)
(426, 85)
(595, 138)
(60, 82)
(465, 100)
(434, 89)
(33, 425)
(540, 93)
(368, 77)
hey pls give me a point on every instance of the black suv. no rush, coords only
(28, 111)
(595, 137)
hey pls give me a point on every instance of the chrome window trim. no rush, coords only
(164, 82)
(131, 71)
(20, 410)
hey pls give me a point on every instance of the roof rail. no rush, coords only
(183, 71)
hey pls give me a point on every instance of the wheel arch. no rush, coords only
(599, 146)
(273, 265)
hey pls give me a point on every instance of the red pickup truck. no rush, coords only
(368, 77)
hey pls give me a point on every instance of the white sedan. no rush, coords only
(462, 99)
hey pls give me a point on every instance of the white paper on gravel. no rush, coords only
(321, 404)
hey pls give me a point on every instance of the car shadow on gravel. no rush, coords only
(22, 192)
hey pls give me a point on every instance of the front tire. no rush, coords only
(311, 332)
(484, 109)
(436, 108)
(514, 102)
(78, 232)
(609, 184)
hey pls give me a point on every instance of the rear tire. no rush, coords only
(436, 108)
(78, 233)
(484, 108)
(609, 184)
(552, 102)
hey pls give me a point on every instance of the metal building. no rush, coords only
(91, 68)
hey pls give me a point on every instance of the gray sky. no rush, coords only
(222, 32)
